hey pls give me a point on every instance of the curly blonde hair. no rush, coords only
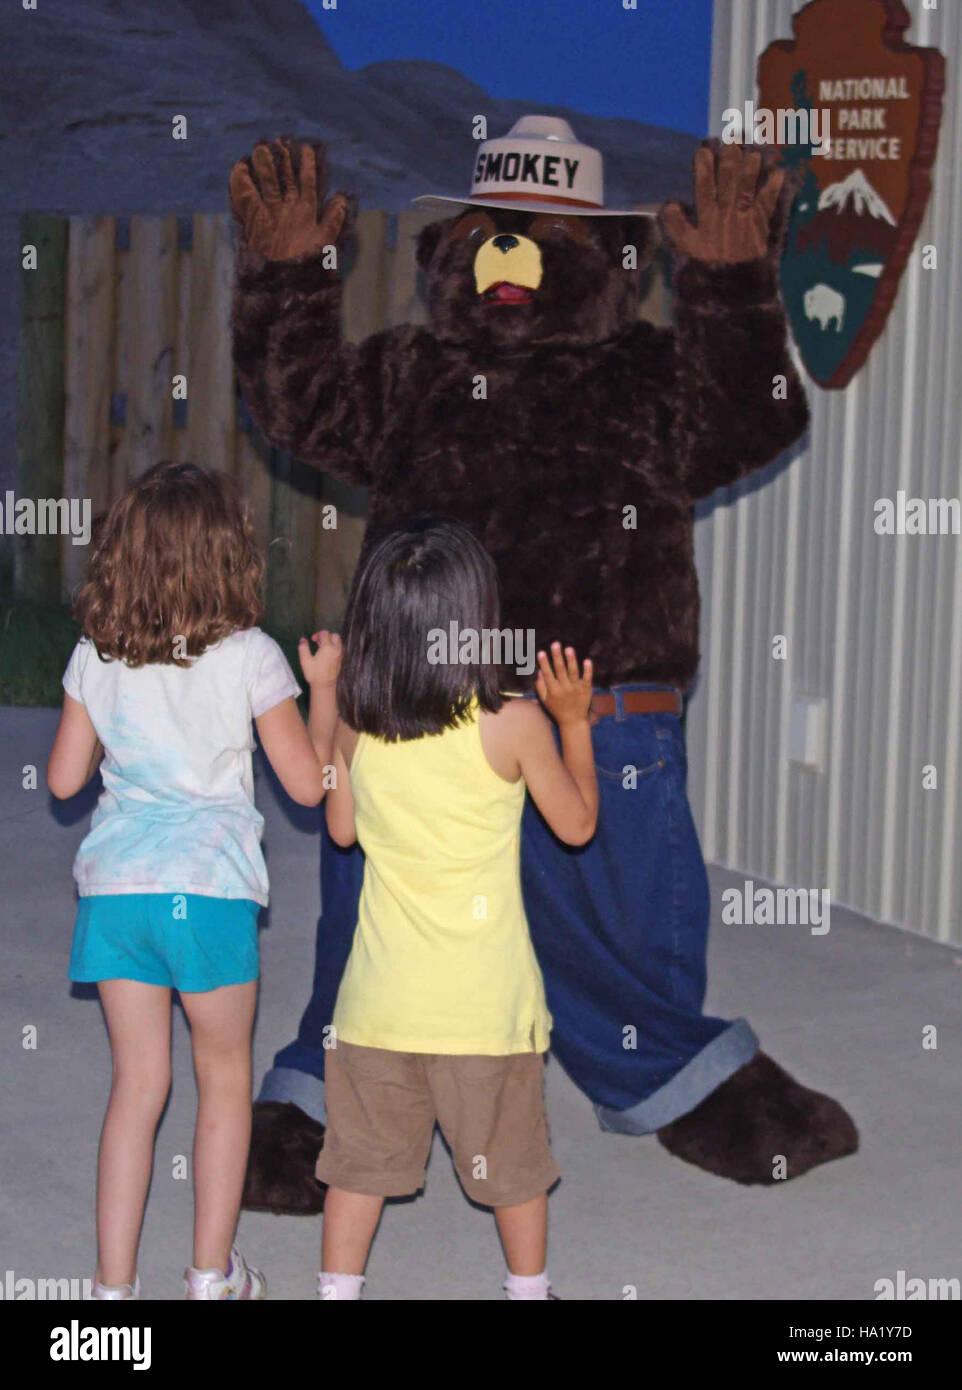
(175, 568)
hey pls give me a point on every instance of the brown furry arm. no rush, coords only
(730, 345)
(312, 395)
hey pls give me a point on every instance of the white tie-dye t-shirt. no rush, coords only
(177, 811)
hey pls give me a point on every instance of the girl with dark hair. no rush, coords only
(163, 687)
(441, 1013)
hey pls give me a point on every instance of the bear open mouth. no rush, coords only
(506, 293)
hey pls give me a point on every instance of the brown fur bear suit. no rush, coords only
(588, 410)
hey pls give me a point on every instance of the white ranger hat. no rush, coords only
(538, 166)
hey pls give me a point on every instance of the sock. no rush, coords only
(527, 1285)
(332, 1287)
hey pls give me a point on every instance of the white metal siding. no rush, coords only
(873, 623)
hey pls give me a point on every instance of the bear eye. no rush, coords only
(473, 226)
(573, 228)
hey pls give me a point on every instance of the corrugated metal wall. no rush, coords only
(873, 623)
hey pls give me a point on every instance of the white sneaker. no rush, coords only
(99, 1290)
(243, 1280)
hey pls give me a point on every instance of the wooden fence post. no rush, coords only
(40, 422)
(210, 380)
(253, 457)
(405, 304)
(291, 556)
(149, 309)
(89, 374)
(338, 549)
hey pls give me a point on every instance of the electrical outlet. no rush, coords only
(806, 731)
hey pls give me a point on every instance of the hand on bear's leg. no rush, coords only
(280, 1178)
(755, 1117)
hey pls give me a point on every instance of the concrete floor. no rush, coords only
(845, 1012)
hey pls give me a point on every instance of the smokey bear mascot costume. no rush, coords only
(578, 470)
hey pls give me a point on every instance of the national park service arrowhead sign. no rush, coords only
(865, 181)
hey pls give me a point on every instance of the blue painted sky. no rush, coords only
(649, 64)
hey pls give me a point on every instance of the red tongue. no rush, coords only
(511, 294)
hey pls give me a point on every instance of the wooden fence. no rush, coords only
(115, 310)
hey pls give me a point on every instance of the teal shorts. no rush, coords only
(181, 940)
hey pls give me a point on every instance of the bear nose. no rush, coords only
(505, 242)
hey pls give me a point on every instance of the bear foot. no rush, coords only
(280, 1177)
(759, 1113)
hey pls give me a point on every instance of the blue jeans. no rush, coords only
(620, 929)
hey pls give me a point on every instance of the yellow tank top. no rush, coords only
(442, 959)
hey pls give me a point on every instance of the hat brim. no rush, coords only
(431, 201)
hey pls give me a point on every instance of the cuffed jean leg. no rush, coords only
(620, 929)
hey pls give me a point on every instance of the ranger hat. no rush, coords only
(539, 166)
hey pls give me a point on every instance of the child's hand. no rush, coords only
(320, 667)
(565, 694)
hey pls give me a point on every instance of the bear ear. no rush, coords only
(428, 240)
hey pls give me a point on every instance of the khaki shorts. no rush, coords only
(382, 1107)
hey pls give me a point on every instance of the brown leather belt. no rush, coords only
(638, 702)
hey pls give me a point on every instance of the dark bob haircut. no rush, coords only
(410, 585)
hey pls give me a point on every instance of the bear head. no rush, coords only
(500, 279)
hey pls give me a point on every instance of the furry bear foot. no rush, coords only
(280, 1171)
(757, 1115)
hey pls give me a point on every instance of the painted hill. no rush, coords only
(852, 221)
(857, 191)
(88, 89)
